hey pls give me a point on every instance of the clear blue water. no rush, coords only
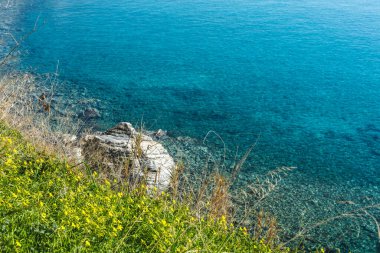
(302, 75)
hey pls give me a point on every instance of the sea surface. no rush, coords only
(300, 78)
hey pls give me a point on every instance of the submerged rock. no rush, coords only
(90, 113)
(160, 133)
(126, 153)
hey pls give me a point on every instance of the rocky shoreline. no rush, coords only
(125, 154)
(118, 146)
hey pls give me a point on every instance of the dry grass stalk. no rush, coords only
(176, 177)
(261, 189)
(7, 57)
(357, 213)
(220, 200)
(33, 115)
(266, 228)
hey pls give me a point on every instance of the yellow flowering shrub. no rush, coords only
(48, 206)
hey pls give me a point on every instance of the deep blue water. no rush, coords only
(302, 75)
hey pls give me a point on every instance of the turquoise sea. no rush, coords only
(302, 78)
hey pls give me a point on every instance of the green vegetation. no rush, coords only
(48, 205)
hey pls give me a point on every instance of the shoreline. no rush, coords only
(190, 148)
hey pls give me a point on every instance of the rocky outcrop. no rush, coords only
(90, 113)
(128, 154)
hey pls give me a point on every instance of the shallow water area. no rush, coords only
(300, 78)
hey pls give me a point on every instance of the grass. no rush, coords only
(46, 205)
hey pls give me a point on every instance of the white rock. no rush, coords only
(119, 144)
